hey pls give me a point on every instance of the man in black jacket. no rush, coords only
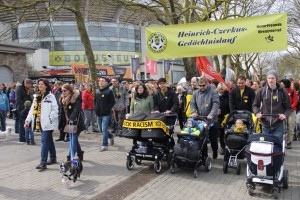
(165, 100)
(23, 93)
(241, 97)
(104, 101)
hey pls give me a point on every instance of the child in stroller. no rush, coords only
(191, 150)
(238, 126)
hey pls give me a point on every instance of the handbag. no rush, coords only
(71, 127)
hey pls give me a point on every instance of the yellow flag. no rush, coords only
(243, 35)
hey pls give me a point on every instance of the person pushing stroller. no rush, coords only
(205, 102)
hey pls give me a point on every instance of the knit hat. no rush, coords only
(27, 104)
(161, 80)
(273, 72)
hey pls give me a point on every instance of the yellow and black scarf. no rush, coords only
(37, 112)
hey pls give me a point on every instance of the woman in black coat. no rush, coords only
(223, 110)
(71, 112)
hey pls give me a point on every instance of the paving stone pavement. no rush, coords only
(105, 170)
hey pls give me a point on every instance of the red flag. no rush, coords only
(151, 66)
(206, 69)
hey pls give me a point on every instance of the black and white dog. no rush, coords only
(6, 134)
(70, 171)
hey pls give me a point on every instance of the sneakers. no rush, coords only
(32, 143)
(41, 167)
(215, 154)
(59, 139)
(51, 162)
(112, 141)
(103, 148)
(289, 145)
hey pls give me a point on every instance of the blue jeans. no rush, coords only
(3, 120)
(47, 146)
(277, 131)
(103, 122)
(21, 128)
(74, 144)
(27, 132)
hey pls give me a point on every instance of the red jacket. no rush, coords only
(293, 98)
(87, 100)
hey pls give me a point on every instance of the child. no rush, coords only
(28, 130)
(191, 128)
(239, 127)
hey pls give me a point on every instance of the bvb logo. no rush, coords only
(157, 42)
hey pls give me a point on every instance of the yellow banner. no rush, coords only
(243, 35)
(101, 57)
(147, 124)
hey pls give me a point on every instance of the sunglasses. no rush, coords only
(64, 90)
(202, 85)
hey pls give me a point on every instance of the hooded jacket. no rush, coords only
(206, 102)
(269, 101)
(49, 113)
(104, 101)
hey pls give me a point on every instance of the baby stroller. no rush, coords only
(235, 143)
(153, 138)
(191, 150)
(265, 162)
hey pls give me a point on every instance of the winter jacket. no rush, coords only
(57, 94)
(206, 102)
(224, 105)
(168, 102)
(49, 112)
(142, 105)
(269, 101)
(121, 100)
(104, 101)
(293, 98)
(74, 112)
(4, 102)
(12, 98)
(21, 96)
(87, 100)
(189, 95)
(244, 102)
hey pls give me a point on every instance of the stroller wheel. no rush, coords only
(225, 167)
(157, 166)
(195, 173)
(285, 179)
(208, 164)
(138, 161)
(250, 191)
(238, 168)
(129, 163)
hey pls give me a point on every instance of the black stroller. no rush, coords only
(191, 149)
(235, 143)
(152, 138)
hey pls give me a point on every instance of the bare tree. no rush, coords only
(42, 10)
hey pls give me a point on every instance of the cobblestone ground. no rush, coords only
(105, 175)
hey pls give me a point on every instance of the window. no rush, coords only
(15, 35)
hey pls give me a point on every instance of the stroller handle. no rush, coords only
(172, 114)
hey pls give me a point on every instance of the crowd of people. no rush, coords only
(44, 107)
